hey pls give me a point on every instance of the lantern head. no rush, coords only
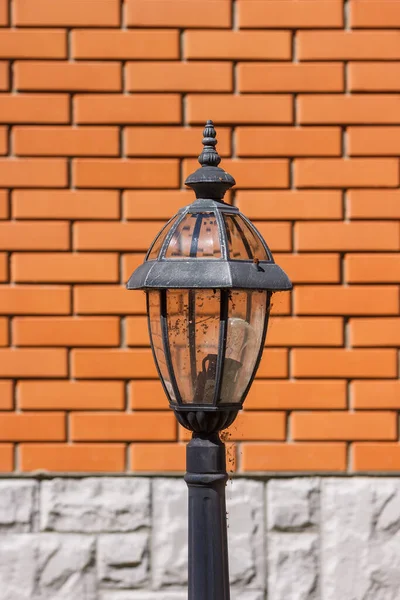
(209, 277)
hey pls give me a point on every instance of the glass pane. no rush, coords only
(156, 340)
(158, 242)
(243, 243)
(193, 318)
(246, 314)
(195, 237)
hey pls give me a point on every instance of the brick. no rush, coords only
(251, 173)
(4, 212)
(73, 457)
(4, 266)
(382, 13)
(140, 426)
(33, 362)
(290, 77)
(297, 14)
(356, 172)
(65, 204)
(310, 268)
(124, 109)
(175, 13)
(123, 173)
(66, 141)
(34, 300)
(151, 204)
(112, 44)
(344, 426)
(375, 332)
(301, 394)
(290, 204)
(237, 109)
(350, 300)
(376, 457)
(115, 236)
(309, 457)
(348, 109)
(374, 204)
(288, 141)
(68, 76)
(147, 395)
(4, 341)
(65, 331)
(306, 331)
(67, 13)
(65, 267)
(4, 76)
(106, 300)
(137, 333)
(32, 427)
(35, 43)
(375, 394)
(34, 108)
(33, 172)
(171, 141)
(238, 45)
(274, 364)
(130, 262)
(277, 235)
(337, 362)
(39, 235)
(157, 457)
(4, 20)
(3, 140)
(177, 76)
(373, 141)
(113, 364)
(71, 395)
(374, 77)
(6, 458)
(376, 268)
(6, 396)
(355, 235)
(348, 45)
(258, 426)
(281, 303)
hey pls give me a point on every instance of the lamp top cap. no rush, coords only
(210, 181)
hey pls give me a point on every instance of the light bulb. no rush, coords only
(241, 336)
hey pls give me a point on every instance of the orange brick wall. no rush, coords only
(102, 104)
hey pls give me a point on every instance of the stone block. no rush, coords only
(170, 531)
(18, 509)
(246, 526)
(361, 539)
(17, 566)
(145, 595)
(95, 504)
(293, 566)
(123, 559)
(65, 568)
(293, 504)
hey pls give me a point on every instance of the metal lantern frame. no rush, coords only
(206, 462)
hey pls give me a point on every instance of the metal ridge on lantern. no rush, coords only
(209, 277)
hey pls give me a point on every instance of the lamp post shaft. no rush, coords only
(208, 546)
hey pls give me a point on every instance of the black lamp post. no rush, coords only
(209, 277)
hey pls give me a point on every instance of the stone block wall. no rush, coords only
(125, 538)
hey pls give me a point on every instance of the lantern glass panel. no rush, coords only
(158, 242)
(243, 242)
(246, 315)
(154, 313)
(197, 236)
(193, 318)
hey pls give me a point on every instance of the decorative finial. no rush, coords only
(209, 157)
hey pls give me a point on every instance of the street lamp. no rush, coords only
(209, 277)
